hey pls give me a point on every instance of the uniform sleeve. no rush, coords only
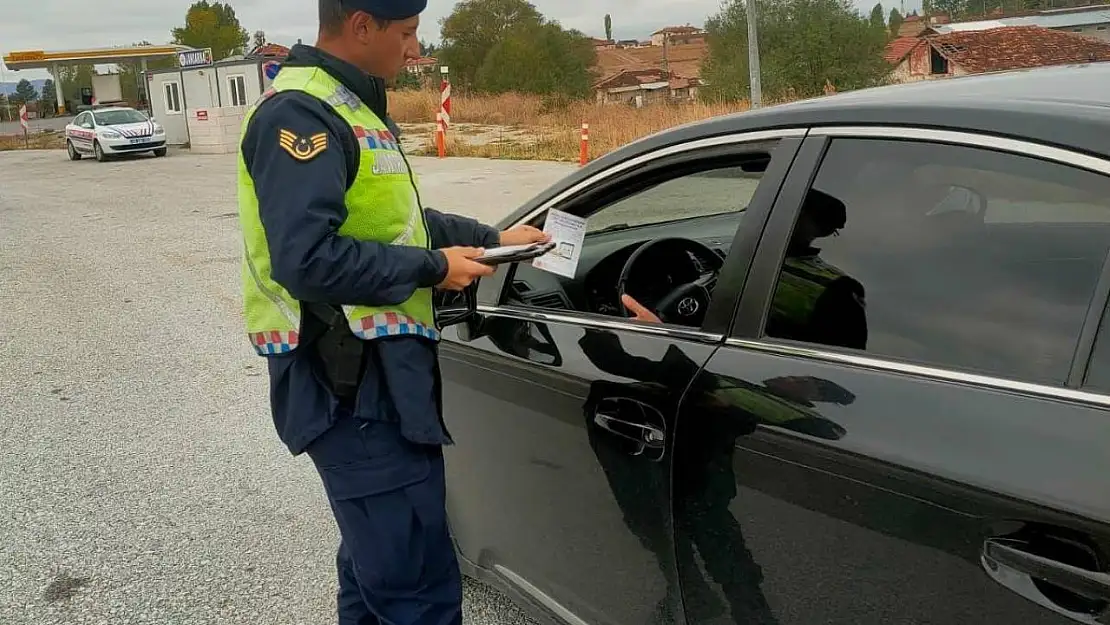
(293, 152)
(456, 230)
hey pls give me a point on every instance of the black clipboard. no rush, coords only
(514, 253)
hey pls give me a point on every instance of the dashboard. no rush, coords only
(593, 289)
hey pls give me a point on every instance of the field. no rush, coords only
(35, 141)
(526, 127)
(682, 59)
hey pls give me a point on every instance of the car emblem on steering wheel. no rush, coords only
(687, 306)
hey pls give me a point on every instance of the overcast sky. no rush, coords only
(60, 24)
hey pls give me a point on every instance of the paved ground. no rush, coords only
(141, 481)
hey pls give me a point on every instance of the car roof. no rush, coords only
(108, 109)
(1065, 106)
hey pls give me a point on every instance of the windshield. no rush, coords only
(110, 118)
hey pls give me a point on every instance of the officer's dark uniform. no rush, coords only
(379, 455)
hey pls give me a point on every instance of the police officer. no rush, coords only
(340, 264)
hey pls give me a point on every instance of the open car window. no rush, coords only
(696, 204)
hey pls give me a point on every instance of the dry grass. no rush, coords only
(553, 131)
(34, 141)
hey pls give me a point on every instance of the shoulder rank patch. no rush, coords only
(303, 148)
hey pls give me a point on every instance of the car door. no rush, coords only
(83, 134)
(914, 440)
(562, 408)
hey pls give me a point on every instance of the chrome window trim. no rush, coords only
(745, 137)
(614, 323)
(925, 371)
(1016, 146)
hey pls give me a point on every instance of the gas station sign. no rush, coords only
(195, 58)
(26, 55)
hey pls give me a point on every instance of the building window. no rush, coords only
(952, 256)
(173, 97)
(237, 87)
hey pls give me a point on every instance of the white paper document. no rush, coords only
(567, 232)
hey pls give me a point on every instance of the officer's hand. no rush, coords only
(523, 235)
(639, 311)
(461, 270)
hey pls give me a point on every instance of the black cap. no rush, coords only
(388, 9)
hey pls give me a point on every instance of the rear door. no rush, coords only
(563, 409)
(901, 428)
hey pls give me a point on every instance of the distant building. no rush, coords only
(422, 65)
(641, 87)
(604, 44)
(995, 50)
(676, 35)
(1090, 21)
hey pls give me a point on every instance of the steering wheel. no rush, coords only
(687, 303)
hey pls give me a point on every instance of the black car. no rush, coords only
(879, 392)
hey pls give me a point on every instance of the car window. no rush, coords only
(945, 255)
(701, 204)
(704, 193)
(123, 116)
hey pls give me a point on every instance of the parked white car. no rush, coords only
(105, 132)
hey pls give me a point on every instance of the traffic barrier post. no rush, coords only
(584, 149)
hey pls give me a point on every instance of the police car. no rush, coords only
(113, 130)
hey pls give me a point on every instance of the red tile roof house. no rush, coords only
(639, 87)
(994, 50)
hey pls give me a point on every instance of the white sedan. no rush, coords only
(109, 131)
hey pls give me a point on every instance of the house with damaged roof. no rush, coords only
(961, 53)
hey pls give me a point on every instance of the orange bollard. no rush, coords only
(441, 140)
(584, 152)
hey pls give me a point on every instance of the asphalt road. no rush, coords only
(141, 480)
(35, 125)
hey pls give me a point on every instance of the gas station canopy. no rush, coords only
(41, 59)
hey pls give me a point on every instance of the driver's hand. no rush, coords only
(639, 311)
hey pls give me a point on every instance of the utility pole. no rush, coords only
(666, 66)
(753, 56)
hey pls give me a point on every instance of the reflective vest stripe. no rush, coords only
(390, 324)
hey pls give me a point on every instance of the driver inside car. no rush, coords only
(814, 301)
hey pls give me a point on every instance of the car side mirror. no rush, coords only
(459, 308)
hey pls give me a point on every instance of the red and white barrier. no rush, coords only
(443, 118)
(584, 150)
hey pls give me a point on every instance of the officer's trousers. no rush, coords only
(396, 561)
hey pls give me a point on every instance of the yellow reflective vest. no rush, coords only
(382, 205)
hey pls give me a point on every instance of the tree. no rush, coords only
(955, 9)
(608, 27)
(5, 113)
(895, 22)
(428, 49)
(803, 44)
(541, 59)
(49, 97)
(212, 25)
(407, 81)
(131, 79)
(24, 92)
(878, 20)
(475, 27)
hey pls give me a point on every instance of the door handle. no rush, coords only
(1090, 584)
(637, 432)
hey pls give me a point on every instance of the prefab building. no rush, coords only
(202, 103)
